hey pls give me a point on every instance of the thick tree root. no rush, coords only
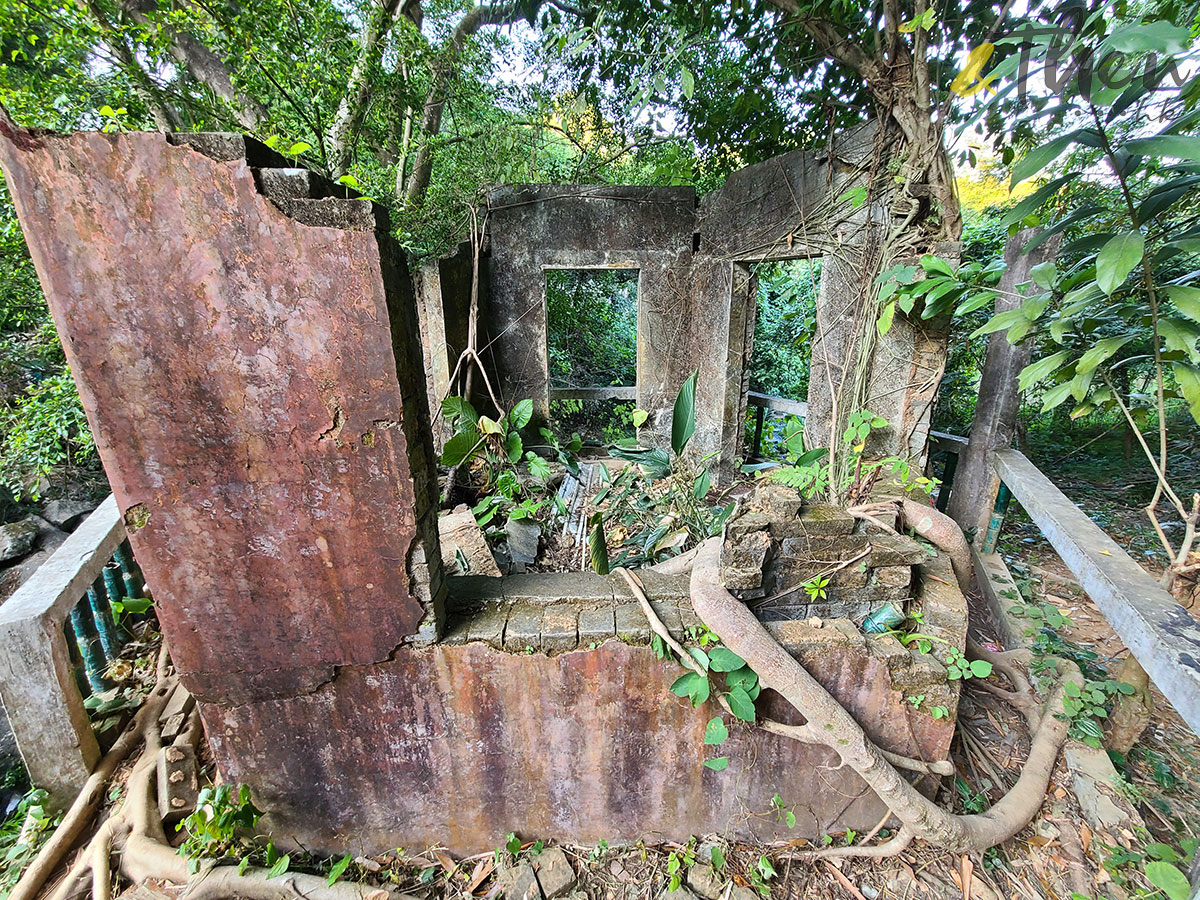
(135, 832)
(828, 723)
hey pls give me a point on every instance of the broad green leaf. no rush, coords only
(1168, 879)
(1040, 157)
(935, 265)
(857, 197)
(683, 419)
(715, 732)
(745, 678)
(981, 668)
(1188, 379)
(1036, 371)
(1180, 336)
(538, 467)
(597, 547)
(489, 426)
(1101, 351)
(1056, 396)
(299, 147)
(1176, 146)
(520, 414)
(999, 322)
(459, 447)
(639, 417)
(723, 659)
(1043, 274)
(740, 704)
(456, 408)
(1186, 300)
(1148, 37)
(513, 445)
(1117, 259)
(687, 83)
(701, 485)
(281, 866)
(700, 657)
(885, 318)
(654, 463)
(811, 456)
(976, 301)
(1034, 201)
(338, 870)
(717, 764)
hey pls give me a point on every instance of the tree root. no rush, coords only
(828, 723)
(936, 527)
(135, 832)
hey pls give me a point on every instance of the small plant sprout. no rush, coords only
(816, 588)
(958, 666)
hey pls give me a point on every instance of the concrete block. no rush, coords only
(488, 626)
(596, 625)
(895, 550)
(554, 873)
(178, 783)
(560, 627)
(524, 629)
(559, 587)
(631, 624)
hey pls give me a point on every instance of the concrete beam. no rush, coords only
(1157, 630)
(37, 679)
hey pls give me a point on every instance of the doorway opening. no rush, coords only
(785, 321)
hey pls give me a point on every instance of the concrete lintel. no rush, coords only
(1157, 630)
(37, 681)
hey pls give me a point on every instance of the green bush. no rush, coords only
(43, 431)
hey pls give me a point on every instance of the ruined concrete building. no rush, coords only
(248, 350)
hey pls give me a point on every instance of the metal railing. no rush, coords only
(59, 638)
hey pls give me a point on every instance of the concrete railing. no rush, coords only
(594, 393)
(57, 638)
(1159, 633)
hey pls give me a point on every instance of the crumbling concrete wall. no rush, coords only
(251, 373)
(697, 293)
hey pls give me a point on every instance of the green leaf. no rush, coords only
(1188, 379)
(1168, 879)
(740, 704)
(1180, 336)
(981, 668)
(715, 732)
(683, 420)
(745, 678)
(856, 195)
(722, 659)
(717, 764)
(701, 485)
(520, 414)
(538, 467)
(1043, 274)
(1034, 201)
(281, 866)
(1186, 300)
(1040, 157)
(459, 447)
(718, 858)
(1149, 37)
(639, 417)
(299, 147)
(935, 265)
(456, 409)
(597, 547)
(1035, 372)
(339, 868)
(654, 462)
(687, 82)
(1101, 351)
(700, 657)
(885, 318)
(1177, 146)
(1117, 259)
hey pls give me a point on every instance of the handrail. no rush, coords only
(1160, 634)
(38, 684)
(777, 404)
(594, 393)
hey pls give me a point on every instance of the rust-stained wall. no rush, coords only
(239, 374)
(247, 351)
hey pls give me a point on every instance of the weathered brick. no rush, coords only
(488, 626)
(524, 629)
(596, 625)
(631, 624)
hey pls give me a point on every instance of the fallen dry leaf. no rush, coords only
(482, 870)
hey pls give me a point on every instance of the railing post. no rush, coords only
(947, 481)
(760, 413)
(87, 638)
(996, 522)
